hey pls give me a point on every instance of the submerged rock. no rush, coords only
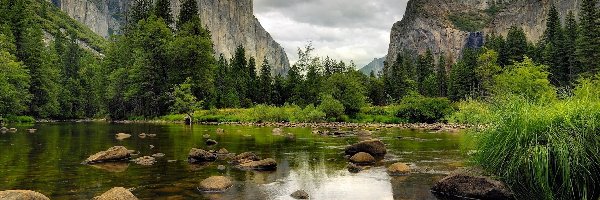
(158, 155)
(470, 186)
(397, 169)
(22, 195)
(362, 158)
(31, 130)
(223, 151)
(122, 136)
(220, 131)
(116, 153)
(215, 184)
(211, 142)
(142, 135)
(12, 130)
(268, 164)
(246, 156)
(300, 194)
(374, 147)
(200, 155)
(115, 167)
(221, 167)
(117, 193)
(277, 131)
(146, 160)
(353, 168)
(363, 133)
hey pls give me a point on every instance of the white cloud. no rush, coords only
(356, 30)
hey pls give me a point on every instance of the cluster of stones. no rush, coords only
(441, 127)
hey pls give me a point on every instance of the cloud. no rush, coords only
(342, 29)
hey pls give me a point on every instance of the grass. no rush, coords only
(17, 119)
(544, 150)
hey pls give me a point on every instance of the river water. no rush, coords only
(48, 161)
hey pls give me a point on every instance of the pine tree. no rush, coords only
(463, 80)
(588, 42)
(570, 43)
(554, 56)
(265, 83)
(442, 77)
(251, 81)
(239, 74)
(293, 86)
(140, 10)
(312, 85)
(376, 90)
(189, 11)
(516, 45)
(424, 70)
(162, 9)
(279, 95)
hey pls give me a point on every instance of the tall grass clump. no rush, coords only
(546, 150)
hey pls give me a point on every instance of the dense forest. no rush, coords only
(160, 65)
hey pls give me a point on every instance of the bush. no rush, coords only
(331, 107)
(425, 110)
(471, 112)
(545, 151)
(18, 119)
(309, 114)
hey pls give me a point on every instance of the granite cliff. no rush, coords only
(231, 22)
(450, 25)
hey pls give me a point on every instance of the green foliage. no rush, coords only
(331, 107)
(472, 112)
(162, 9)
(19, 119)
(184, 100)
(525, 79)
(544, 151)
(14, 84)
(588, 42)
(347, 89)
(189, 11)
(469, 21)
(441, 76)
(516, 45)
(463, 81)
(487, 68)
(424, 109)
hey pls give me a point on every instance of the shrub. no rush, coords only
(471, 112)
(525, 79)
(331, 107)
(309, 114)
(18, 119)
(422, 109)
(545, 151)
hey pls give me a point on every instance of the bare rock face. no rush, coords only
(117, 193)
(215, 184)
(117, 153)
(428, 24)
(231, 22)
(22, 195)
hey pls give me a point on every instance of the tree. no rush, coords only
(486, 69)
(183, 99)
(525, 79)
(279, 95)
(570, 46)
(463, 80)
(293, 86)
(516, 44)
(162, 9)
(189, 11)
(14, 81)
(376, 90)
(397, 77)
(251, 81)
(332, 108)
(588, 42)
(265, 84)
(554, 55)
(442, 76)
(424, 70)
(140, 10)
(312, 85)
(346, 88)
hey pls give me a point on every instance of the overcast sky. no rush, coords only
(356, 30)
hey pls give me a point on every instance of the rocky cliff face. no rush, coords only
(439, 25)
(231, 22)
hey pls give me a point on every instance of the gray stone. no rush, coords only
(22, 195)
(117, 153)
(200, 155)
(117, 193)
(300, 194)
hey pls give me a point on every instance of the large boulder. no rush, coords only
(117, 193)
(22, 195)
(116, 153)
(268, 164)
(215, 184)
(373, 147)
(362, 158)
(398, 169)
(473, 187)
(200, 155)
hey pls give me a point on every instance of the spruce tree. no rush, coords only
(265, 83)
(424, 70)
(554, 55)
(251, 81)
(570, 43)
(588, 42)
(516, 45)
(162, 9)
(312, 85)
(442, 77)
(279, 95)
(140, 10)
(189, 11)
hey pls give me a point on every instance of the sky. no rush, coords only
(357, 30)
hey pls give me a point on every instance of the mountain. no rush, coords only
(231, 22)
(450, 25)
(376, 66)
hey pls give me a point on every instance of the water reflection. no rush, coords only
(49, 160)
